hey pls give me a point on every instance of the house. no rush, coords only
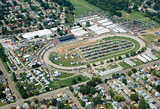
(149, 88)
(25, 105)
(89, 106)
(120, 91)
(153, 91)
(10, 98)
(136, 105)
(146, 86)
(74, 107)
(3, 100)
(125, 97)
(108, 97)
(115, 105)
(88, 103)
(81, 97)
(133, 102)
(41, 103)
(65, 96)
(128, 100)
(156, 94)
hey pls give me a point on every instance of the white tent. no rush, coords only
(148, 58)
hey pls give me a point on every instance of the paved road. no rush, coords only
(11, 83)
(137, 67)
(74, 99)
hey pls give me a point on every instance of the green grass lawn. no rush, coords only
(124, 65)
(113, 54)
(156, 53)
(132, 16)
(65, 75)
(80, 9)
(150, 37)
(112, 66)
(81, 6)
(66, 62)
(68, 82)
(137, 61)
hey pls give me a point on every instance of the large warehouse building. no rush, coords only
(40, 33)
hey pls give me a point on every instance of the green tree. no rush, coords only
(92, 90)
(88, 65)
(158, 88)
(134, 70)
(124, 81)
(145, 78)
(74, 81)
(97, 100)
(117, 98)
(143, 104)
(60, 105)
(1, 72)
(119, 57)
(134, 97)
(87, 24)
(111, 93)
(79, 78)
(111, 60)
(83, 103)
(35, 100)
(129, 73)
(54, 102)
(158, 40)
(71, 88)
(14, 77)
(67, 107)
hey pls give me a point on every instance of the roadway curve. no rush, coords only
(47, 53)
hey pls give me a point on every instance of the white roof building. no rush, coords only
(142, 59)
(148, 58)
(128, 61)
(40, 33)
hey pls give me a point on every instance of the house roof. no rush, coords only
(153, 90)
(132, 102)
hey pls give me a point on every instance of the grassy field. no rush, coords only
(156, 53)
(112, 66)
(132, 16)
(137, 46)
(66, 62)
(65, 75)
(137, 61)
(80, 9)
(68, 82)
(150, 37)
(81, 6)
(124, 65)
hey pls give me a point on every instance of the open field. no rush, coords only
(132, 16)
(156, 53)
(81, 6)
(66, 60)
(80, 9)
(65, 75)
(137, 61)
(68, 82)
(124, 65)
(150, 38)
(111, 66)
